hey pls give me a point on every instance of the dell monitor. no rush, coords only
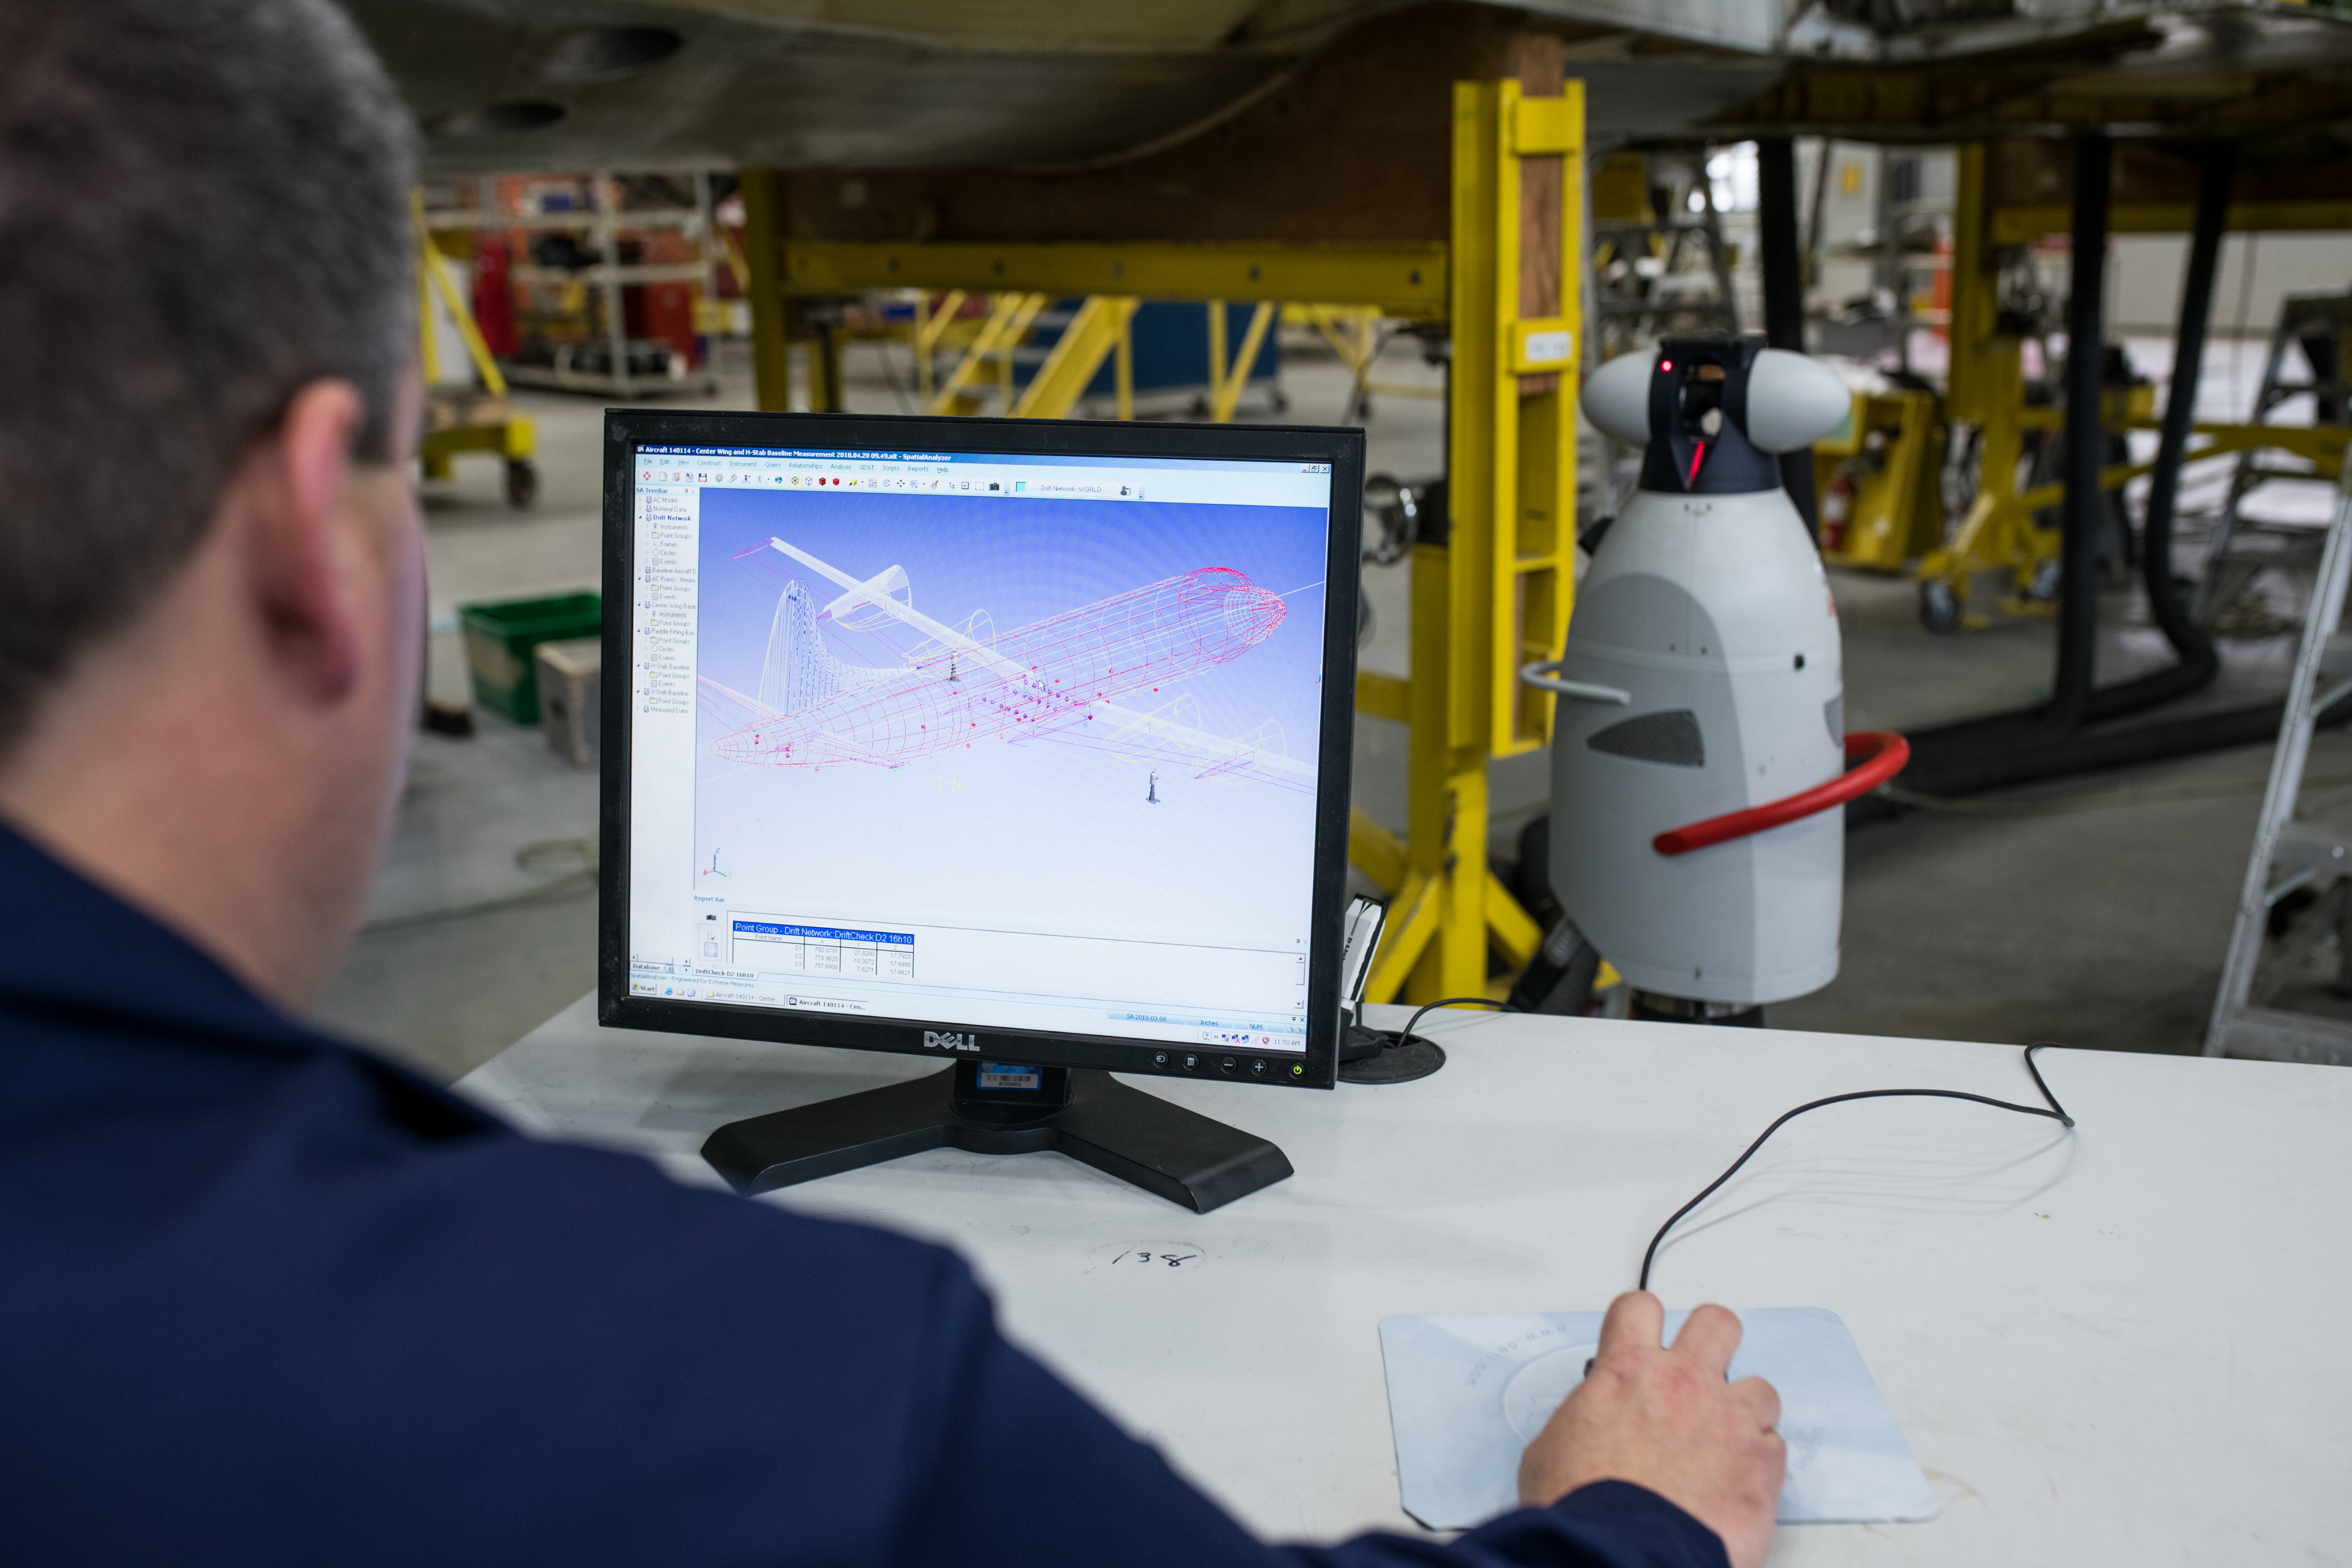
(1022, 746)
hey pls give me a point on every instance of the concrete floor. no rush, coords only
(2101, 927)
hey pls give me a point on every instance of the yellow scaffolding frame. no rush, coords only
(1496, 596)
(1229, 378)
(463, 422)
(1892, 447)
(1100, 328)
(1009, 318)
(930, 326)
(1098, 332)
(1493, 595)
(1987, 389)
(1352, 332)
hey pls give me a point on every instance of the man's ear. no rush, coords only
(298, 480)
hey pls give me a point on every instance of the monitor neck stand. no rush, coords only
(1093, 1118)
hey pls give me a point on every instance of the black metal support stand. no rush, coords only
(2085, 440)
(1784, 292)
(1184, 1157)
(2051, 741)
(2199, 663)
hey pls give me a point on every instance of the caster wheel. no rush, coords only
(1277, 400)
(1939, 607)
(523, 484)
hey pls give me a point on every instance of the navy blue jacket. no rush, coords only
(266, 1299)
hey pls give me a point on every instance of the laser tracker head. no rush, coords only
(1714, 412)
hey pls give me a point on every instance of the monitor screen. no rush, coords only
(941, 735)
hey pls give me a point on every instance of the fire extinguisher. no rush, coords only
(1837, 509)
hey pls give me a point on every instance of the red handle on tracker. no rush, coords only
(1885, 752)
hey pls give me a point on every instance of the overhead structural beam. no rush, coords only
(1784, 291)
(1406, 279)
(2025, 225)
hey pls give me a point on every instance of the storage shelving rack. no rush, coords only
(606, 221)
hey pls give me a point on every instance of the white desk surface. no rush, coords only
(2126, 1344)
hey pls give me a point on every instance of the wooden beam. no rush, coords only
(1540, 64)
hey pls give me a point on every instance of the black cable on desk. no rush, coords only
(1405, 1036)
(2056, 1112)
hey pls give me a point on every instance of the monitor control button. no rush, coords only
(1160, 1058)
(1257, 1068)
(1226, 1066)
(1191, 1061)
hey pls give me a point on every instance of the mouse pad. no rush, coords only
(1466, 1394)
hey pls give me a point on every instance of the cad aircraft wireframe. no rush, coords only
(1059, 679)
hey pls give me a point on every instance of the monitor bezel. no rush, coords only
(1342, 449)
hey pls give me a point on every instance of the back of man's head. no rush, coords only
(203, 207)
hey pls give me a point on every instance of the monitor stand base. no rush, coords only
(1182, 1156)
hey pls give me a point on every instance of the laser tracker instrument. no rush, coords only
(1701, 741)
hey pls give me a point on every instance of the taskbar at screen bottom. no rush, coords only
(1140, 1023)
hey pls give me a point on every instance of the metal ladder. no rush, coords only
(2321, 325)
(1637, 311)
(2306, 852)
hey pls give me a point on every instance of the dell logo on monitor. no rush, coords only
(934, 1040)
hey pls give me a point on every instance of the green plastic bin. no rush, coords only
(500, 640)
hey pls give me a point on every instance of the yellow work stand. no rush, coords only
(465, 418)
(1879, 478)
(1987, 393)
(1491, 589)
(1493, 595)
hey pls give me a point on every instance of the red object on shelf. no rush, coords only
(494, 310)
(663, 312)
(1885, 752)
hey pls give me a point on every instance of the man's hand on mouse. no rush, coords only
(1665, 1419)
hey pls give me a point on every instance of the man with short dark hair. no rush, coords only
(265, 1297)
